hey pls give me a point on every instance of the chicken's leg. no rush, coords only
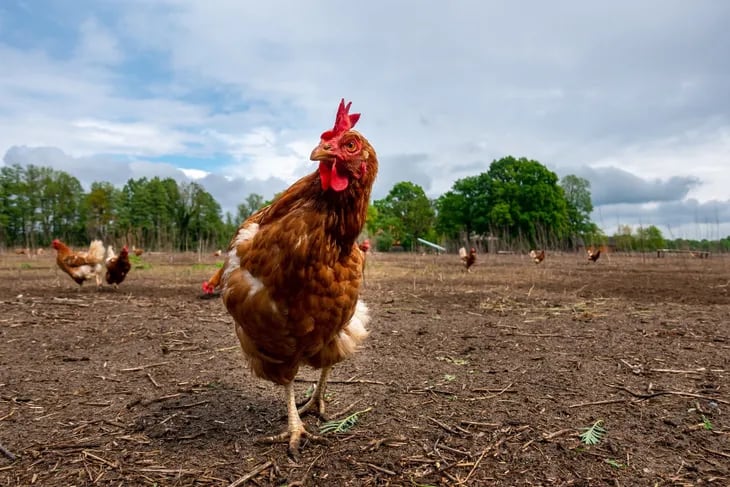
(295, 426)
(316, 404)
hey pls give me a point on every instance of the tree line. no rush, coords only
(517, 204)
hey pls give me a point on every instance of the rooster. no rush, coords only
(537, 257)
(468, 259)
(292, 272)
(81, 266)
(117, 267)
(593, 255)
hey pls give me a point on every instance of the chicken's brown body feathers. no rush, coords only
(292, 276)
(117, 269)
(80, 266)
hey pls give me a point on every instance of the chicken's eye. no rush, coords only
(350, 146)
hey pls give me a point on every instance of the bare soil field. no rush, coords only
(481, 378)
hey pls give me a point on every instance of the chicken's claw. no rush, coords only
(293, 436)
(316, 406)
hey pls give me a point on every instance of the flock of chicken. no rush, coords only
(292, 272)
(84, 266)
(470, 258)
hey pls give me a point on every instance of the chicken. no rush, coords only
(137, 251)
(365, 246)
(537, 257)
(292, 272)
(81, 266)
(468, 259)
(117, 267)
(217, 253)
(593, 255)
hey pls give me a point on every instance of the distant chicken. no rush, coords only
(25, 251)
(117, 267)
(137, 251)
(217, 253)
(537, 257)
(365, 246)
(593, 255)
(468, 259)
(81, 266)
(293, 270)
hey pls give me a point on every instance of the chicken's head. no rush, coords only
(56, 244)
(343, 153)
(124, 251)
(208, 288)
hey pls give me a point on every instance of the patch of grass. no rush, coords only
(26, 265)
(206, 267)
(614, 463)
(593, 434)
(706, 423)
(342, 425)
(138, 263)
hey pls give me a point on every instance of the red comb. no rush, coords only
(344, 121)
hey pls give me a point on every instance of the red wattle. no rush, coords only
(339, 181)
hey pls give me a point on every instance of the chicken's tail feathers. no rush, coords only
(110, 253)
(96, 250)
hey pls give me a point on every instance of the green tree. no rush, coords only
(406, 213)
(465, 208)
(253, 203)
(577, 192)
(649, 238)
(526, 202)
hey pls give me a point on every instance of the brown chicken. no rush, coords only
(537, 257)
(593, 255)
(81, 266)
(468, 259)
(365, 246)
(292, 274)
(117, 267)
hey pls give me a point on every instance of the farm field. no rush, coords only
(481, 378)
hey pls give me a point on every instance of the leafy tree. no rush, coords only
(650, 238)
(100, 209)
(406, 213)
(465, 208)
(525, 201)
(577, 192)
(251, 205)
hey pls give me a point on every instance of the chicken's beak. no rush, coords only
(322, 152)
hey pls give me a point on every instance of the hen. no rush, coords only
(81, 266)
(292, 274)
(537, 257)
(365, 245)
(468, 259)
(593, 255)
(117, 267)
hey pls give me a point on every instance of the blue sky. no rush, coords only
(634, 97)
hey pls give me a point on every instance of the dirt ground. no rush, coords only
(481, 378)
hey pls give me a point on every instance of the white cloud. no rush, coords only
(443, 90)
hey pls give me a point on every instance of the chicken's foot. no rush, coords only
(316, 404)
(295, 427)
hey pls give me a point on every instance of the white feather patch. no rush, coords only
(355, 330)
(233, 262)
(255, 284)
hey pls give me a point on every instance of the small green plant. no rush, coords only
(343, 425)
(26, 265)
(138, 263)
(614, 463)
(593, 434)
(706, 423)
